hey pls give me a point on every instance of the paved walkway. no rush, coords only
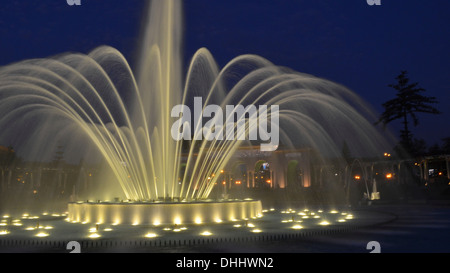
(417, 229)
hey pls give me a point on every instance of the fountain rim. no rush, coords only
(127, 202)
(164, 213)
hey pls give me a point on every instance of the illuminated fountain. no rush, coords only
(96, 100)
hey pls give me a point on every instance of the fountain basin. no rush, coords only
(163, 213)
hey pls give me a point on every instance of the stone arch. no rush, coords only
(293, 172)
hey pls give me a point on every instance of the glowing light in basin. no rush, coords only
(206, 233)
(151, 235)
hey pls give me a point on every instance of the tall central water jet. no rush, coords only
(160, 87)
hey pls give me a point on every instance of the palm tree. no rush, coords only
(407, 103)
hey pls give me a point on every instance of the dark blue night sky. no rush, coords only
(360, 46)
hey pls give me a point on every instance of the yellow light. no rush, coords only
(177, 221)
(237, 225)
(297, 227)
(6, 216)
(30, 228)
(334, 211)
(3, 224)
(324, 223)
(93, 229)
(108, 229)
(94, 235)
(206, 233)
(389, 175)
(176, 230)
(238, 182)
(219, 221)
(4, 232)
(221, 171)
(42, 234)
(151, 235)
(357, 177)
(156, 223)
(256, 230)
(198, 221)
(250, 225)
(341, 220)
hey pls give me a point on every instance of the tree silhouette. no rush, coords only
(407, 103)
